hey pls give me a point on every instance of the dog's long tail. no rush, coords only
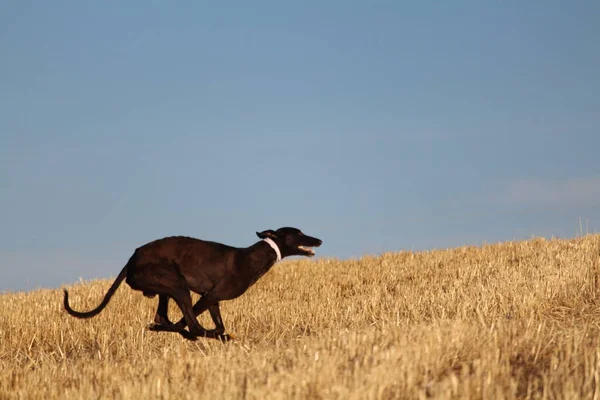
(107, 296)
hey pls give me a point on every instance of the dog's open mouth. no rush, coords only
(307, 250)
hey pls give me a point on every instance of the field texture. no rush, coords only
(512, 320)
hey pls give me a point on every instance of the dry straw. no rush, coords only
(513, 320)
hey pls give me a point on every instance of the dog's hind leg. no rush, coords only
(162, 312)
(184, 301)
(213, 307)
(166, 281)
(161, 318)
(201, 305)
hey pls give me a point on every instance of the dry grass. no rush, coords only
(513, 320)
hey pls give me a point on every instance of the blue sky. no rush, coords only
(376, 126)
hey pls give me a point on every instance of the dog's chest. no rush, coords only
(236, 285)
(254, 267)
(257, 275)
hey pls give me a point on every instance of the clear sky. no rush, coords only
(375, 125)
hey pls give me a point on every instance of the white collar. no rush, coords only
(274, 246)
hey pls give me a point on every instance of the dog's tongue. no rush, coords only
(307, 249)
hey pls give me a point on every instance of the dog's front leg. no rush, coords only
(213, 307)
(201, 305)
(215, 314)
(219, 330)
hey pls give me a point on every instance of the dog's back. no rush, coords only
(180, 250)
(200, 262)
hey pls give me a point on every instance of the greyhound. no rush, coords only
(173, 266)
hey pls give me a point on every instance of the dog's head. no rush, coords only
(291, 241)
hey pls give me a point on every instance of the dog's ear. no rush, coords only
(269, 233)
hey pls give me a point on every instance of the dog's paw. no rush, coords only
(188, 335)
(158, 327)
(154, 327)
(226, 337)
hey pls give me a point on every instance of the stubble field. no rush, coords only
(503, 321)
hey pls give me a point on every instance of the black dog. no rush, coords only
(173, 266)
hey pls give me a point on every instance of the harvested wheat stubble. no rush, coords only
(511, 320)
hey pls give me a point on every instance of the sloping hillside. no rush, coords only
(509, 320)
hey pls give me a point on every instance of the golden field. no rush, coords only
(513, 320)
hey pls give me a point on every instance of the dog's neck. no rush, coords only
(275, 247)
